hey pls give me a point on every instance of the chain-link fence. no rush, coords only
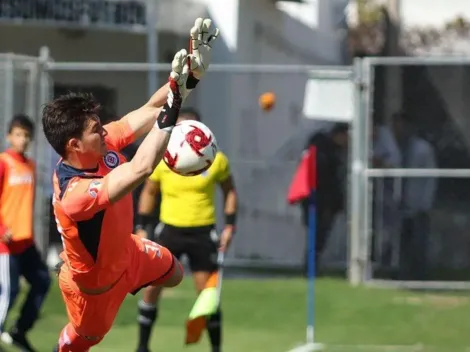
(410, 159)
(418, 171)
(263, 146)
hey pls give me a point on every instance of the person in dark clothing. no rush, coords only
(330, 147)
(417, 199)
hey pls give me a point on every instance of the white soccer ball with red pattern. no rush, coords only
(191, 149)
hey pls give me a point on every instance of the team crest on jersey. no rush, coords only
(94, 188)
(111, 159)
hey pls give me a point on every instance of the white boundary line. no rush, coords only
(411, 348)
(309, 347)
(419, 347)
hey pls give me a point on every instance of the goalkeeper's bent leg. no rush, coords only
(70, 341)
(214, 329)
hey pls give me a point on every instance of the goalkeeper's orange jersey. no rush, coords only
(96, 233)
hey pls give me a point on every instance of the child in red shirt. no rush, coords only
(18, 253)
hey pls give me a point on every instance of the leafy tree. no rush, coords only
(366, 36)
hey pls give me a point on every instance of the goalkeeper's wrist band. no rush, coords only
(166, 120)
(191, 82)
(230, 219)
(143, 220)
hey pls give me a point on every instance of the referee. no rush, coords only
(187, 226)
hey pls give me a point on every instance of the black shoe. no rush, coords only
(19, 340)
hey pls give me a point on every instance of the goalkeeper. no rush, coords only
(103, 261)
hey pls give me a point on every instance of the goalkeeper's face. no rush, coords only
(91, 146)
(93, 138)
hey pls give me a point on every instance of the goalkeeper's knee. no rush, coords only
(70, 341)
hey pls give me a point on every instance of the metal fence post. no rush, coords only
(44, 177)
(9, 96)
(357, 170)
(366, 186)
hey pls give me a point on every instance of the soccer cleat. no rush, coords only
(18, 339)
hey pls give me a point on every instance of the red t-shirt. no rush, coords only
(17, 183)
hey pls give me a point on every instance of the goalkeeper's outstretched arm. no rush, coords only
(128, 176)
(202, 38)
(139, 120)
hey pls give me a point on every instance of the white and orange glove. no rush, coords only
(187, 70)
(177, 92)
(202, 37)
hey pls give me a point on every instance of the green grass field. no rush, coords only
(269, 315)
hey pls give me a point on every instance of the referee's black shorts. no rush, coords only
(199, 244)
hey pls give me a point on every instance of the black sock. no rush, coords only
(148, 313)
(214, 328)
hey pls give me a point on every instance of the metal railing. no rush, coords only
(270, 232)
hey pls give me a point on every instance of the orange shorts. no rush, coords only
(93, 315)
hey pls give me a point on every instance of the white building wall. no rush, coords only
(252, 137)
(260, 33)
(100, 46)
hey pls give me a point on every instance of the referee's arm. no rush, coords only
(230, 210)
(230, 196)
(146, 207)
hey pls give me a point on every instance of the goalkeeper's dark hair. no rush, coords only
(190, 111)
(67, 117)
(21, 121)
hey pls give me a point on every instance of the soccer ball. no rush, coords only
(191, 149)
